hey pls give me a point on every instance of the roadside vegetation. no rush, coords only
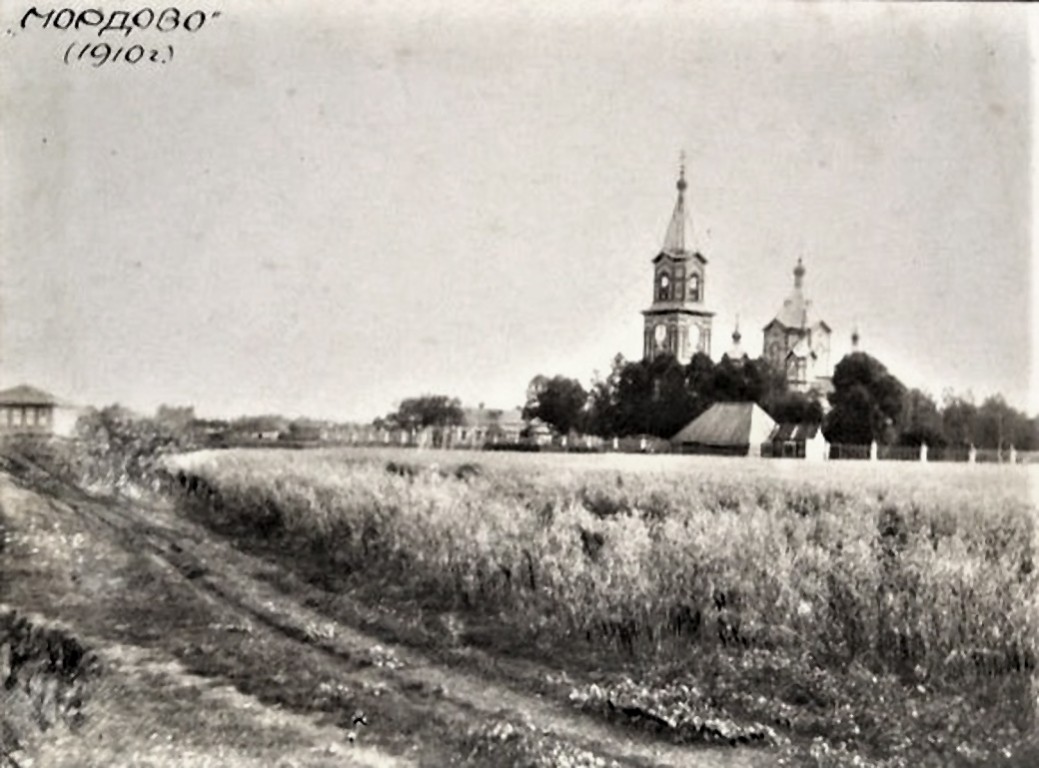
(852, 614)
(46, 676)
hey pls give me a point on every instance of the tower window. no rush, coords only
(663, 286)
(694, 287)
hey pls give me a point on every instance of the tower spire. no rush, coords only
(675, 239)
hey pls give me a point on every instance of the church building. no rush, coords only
(678, 322)
(797, 342)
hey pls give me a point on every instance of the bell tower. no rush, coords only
(678, 322)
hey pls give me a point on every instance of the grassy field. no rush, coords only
(788, 593)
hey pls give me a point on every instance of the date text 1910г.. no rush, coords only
(143, 21)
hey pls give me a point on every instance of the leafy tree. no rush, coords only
(559, 402)
(601, 418)
(638, 398)
(867, 401)
(735, 381)
(758, 381)
(676, 397)
(632, 399)
(177, 418)
(700, 375)
(662, 396)
(998, 425)
(959, 418)
(306, 429)
(657, 397)
(426, 411)
(180, 421)
(117, 445)
(920, 421)
(796, 407)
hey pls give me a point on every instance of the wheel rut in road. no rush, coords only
(449, 699)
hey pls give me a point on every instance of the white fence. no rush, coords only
(925, 453)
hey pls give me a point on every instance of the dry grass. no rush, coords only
(923, 574)
(925, 568)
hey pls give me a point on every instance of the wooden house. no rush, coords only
(26, 410)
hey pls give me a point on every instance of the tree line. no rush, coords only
(867, 403)
(657, 398)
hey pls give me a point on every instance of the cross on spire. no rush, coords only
(675, 239)
(799, 273)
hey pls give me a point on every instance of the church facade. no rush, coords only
(797, 342)
(678, 322)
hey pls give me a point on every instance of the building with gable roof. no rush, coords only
(799, 441)
(26, 410)
(729, 429)
(490, 425)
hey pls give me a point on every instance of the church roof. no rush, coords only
(680, 258)
(801, 349)
(796, 311)
(678, 240)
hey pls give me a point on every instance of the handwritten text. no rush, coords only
(126, 22)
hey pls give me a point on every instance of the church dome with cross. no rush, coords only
(678, 322)
(797, 342)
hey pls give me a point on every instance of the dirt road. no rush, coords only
(207, 662)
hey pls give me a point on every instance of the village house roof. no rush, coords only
(492, 417)
(23, 394)
(260, 424)
(539, 427)
(726, 425)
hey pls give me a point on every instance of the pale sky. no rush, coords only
(320, 208)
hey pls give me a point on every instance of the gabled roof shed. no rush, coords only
(726, 428)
